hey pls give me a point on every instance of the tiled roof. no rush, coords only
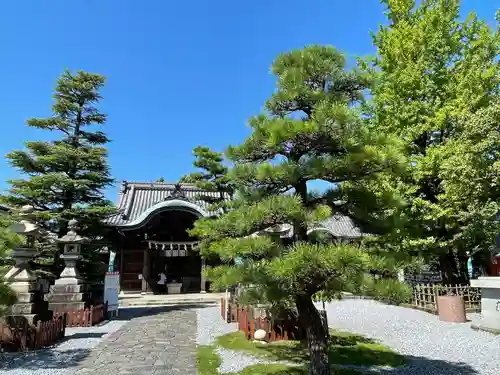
(340, 226)
(135, 198)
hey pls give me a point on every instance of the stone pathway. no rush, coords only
(161, 341)
(142, 341)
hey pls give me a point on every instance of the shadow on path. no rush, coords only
(49, 358)
(129, 313)
(426, 366)
(83, 335)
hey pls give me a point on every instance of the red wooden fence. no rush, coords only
(32, 337)
(223, 311)
(247, 322)
(230, 312)
(48, 333)
(86, 317)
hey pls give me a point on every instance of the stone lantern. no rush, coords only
(69, 292)
(19, 277)
(72, 242)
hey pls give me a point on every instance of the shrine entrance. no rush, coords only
(163, 245)
(174, 252)
(179, 261)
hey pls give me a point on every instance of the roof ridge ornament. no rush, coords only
(123, 186)
(177, 193)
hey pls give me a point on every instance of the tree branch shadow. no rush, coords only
(129, 313)
(49, 358)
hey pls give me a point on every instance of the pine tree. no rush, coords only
(65, 177)
(437, 82)
(213, 178)
(312, 131)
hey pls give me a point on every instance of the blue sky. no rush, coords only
(180, 73)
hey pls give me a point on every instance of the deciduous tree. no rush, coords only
(436, 86)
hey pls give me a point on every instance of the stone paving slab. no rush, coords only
(158, 341)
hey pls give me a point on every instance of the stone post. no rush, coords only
(489, 319)
(69, 292)
(20, 277)
(203, 281)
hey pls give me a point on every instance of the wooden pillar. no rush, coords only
(203, 281)
(120, 266)
(145, 272)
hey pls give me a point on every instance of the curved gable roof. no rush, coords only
(138, 200)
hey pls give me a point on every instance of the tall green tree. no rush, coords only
(8, 240)
(436, 86)
(65, 177)
(212, 178)
(311, 131)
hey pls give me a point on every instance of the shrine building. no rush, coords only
(151, 235)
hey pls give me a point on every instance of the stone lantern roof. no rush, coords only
(72, 237)
(25, 226)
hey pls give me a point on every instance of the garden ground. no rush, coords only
(169, 340)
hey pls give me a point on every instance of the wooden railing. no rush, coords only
(85, 318)
(425, 296)
(48, 333)
(31, 337)
(229, 313)
(223, 309)
(249, 321)
(277, 329)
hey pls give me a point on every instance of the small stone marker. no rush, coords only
(260, 336)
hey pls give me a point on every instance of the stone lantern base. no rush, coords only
(68, 292)
(69, 297)
(23, 283)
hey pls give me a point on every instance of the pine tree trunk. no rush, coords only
(317, 337)
(449, 268)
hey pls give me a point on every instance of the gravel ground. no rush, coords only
(234, 361)
(58, 360)
(210, 325)
(433, 347)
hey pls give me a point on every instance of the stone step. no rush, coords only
(62, 306)
(80, 288)
(66, 297)
(166, 302)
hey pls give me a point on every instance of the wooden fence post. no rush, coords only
(90, 316)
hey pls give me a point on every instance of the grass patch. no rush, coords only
(345, 349)
(288, 370)
(209, 361)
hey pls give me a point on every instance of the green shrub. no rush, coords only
(391, 291)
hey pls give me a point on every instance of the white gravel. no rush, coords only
(433, 347)
(210, 325)
(234, 361)
(60, 359)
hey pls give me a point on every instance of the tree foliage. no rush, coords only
(312, 130)
(212, 178)
(436, 85)
(8, 240)
(65, 177)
